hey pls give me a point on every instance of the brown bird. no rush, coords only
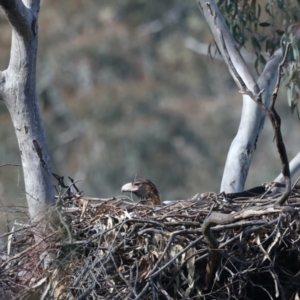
(145, 190)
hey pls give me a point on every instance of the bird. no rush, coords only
(148, 193)
(145, 190)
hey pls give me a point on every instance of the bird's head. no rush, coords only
(144, 189)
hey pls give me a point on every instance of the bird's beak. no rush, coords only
(128, 187)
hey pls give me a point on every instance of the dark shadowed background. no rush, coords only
(121, 95)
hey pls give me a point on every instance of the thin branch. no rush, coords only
(276, 122)
(192, 244)
(256, 95)
(237, 76)
(20, 254)
(216, 24)
(10, 165)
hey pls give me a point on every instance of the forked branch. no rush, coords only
(272, 114)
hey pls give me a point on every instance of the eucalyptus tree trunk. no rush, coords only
(252, 118)
(18, 91)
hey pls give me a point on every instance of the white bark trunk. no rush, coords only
(294, 168)
(18, 91)
(252, 119)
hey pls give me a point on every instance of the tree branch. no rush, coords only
(274, 117)
(19, 16)
(242, 147)
(217, 24)
(294, 168)
(18, 91)
(252, 121)
(203, 49)
(276, 122)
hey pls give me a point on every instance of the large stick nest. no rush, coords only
(116, 249)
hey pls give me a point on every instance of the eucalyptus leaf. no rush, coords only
(280, 4)
(262, 59)
(264, 24)
(221, 2)
(268, 10)
(295, 13)
(258, 11)
(255, 43)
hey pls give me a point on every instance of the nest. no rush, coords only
(204, 247)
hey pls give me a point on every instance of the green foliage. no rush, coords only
(268, 29)
(248, 21)
(291, 70)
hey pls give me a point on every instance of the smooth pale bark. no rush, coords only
(239, 142)
(18, 91)
(220, 31)
(252, 119)
(294, 168)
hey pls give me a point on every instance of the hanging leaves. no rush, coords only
(264, 24)
(267, 32)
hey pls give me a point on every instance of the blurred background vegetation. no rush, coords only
(122, 95)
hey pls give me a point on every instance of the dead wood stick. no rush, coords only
(276, 123)
(24, 252)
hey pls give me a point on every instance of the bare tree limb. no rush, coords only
(216, 24)
(18, 15)
(274, 117)
(276, 122)
(294, 168)
(252, 121)
(203, 49)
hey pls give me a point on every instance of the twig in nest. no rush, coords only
(18, 255)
